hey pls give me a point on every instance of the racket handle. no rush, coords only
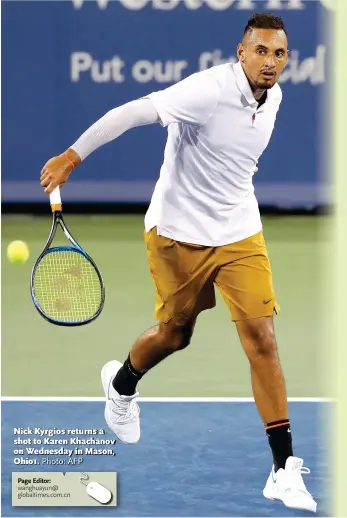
(55, 200)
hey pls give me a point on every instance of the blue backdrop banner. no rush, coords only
(66, 63)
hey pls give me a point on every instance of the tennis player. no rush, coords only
(203, 229)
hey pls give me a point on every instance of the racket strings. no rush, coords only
(67, 286)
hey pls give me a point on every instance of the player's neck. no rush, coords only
(258, 93)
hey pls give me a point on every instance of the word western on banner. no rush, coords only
(216, 5)
(78, 59)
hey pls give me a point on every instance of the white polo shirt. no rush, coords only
(216, 135)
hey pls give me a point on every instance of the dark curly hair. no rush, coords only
(264, 21)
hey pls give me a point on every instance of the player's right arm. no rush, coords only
(113, 124)
(190, 101)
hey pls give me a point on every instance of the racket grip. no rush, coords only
(55, 200)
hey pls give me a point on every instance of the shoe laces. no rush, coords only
(296, 475)
(303, 470)
(125, 410)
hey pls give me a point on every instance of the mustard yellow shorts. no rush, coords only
(185, 274)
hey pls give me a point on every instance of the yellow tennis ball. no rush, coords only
(18, 252)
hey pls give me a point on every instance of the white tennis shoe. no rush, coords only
(288, 486)
(122, 413)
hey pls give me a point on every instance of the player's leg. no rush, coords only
(120, 380)
(245, 281)
(183, 276)
(285, 482)
(258, 339)
(153, 346)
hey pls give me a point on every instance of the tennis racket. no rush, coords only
(66, 285)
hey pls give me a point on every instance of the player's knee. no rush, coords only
(179, 337)
(260, 342)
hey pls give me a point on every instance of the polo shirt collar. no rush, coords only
(244, 86)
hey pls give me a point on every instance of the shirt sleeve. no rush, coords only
(113, 124)
(190, 101)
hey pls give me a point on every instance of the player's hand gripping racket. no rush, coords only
(66, 285)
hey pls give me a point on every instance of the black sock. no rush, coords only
(126, 379)
(280, 440)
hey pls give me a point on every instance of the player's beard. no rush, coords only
(265, 85)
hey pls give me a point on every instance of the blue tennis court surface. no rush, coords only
(198, 459)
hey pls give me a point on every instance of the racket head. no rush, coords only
(67, 287)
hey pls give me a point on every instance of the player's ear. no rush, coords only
(240, 53)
